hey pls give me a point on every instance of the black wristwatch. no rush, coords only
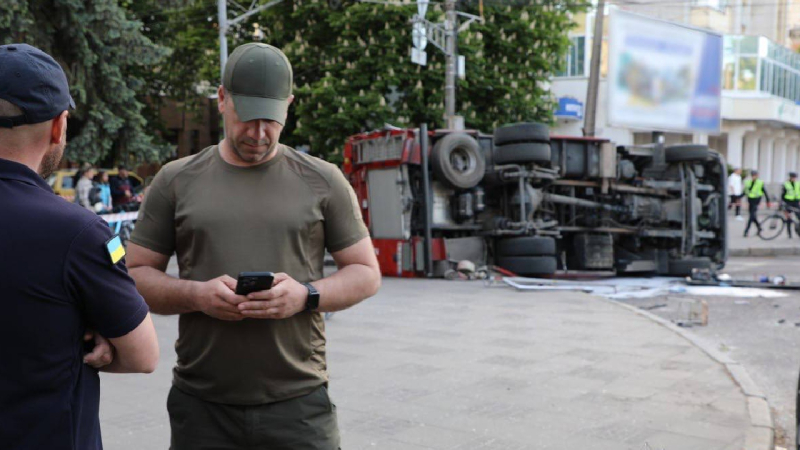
(312, 301)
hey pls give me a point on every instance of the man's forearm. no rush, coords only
(347, 287)
(164, 294)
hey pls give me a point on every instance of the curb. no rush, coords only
(764, 251)
(761, 433)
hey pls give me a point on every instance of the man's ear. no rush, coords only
(291, 99)
(59, 128)
(221, 99)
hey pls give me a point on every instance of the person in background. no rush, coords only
(754, 190)
(101, 182)
(84, 187)
(122, 187)
(791, 197)
(736, 192)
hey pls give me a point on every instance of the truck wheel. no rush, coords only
(689, 152)
(528, 265)
(526, 246)
(521, 132)
(522, 153)
(457, 159)
(683, 267)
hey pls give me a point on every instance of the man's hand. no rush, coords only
(217, 298)
(103, 352)
(286, 298)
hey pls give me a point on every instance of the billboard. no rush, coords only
(663, 76)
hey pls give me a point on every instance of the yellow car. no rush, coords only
(63, 181)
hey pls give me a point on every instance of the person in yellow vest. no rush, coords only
(754, 189)
(791, 197)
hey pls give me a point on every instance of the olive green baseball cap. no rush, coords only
(259, 79)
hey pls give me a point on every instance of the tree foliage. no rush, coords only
(103, 52)
(351, 63)
(353, 68)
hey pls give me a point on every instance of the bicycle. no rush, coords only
(773, 225)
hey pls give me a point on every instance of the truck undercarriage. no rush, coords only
(537, 205)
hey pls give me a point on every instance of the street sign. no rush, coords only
(419, 56)
(419, 36)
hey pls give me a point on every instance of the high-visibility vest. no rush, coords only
(754, 190)
(792, 191)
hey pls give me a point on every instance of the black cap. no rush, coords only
(32, 80)
(792, 174)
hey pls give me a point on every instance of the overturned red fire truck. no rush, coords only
(535, 204)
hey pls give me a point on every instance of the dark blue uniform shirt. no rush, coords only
(56, 280)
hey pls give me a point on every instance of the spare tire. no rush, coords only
(683, 267)
(522, 153)
(688, 152)
(457, 159)
(521, 132)
(526, 246)
(528, 265)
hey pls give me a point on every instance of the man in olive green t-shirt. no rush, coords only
(251, 371)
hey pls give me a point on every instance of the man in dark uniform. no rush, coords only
(791, 197)
(754, 189)
(62, 278)
(251, 371)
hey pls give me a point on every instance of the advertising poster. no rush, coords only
(663, 76)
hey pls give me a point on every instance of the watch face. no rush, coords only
(312, 301)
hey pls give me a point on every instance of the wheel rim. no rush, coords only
(462, 161)
(771, 227)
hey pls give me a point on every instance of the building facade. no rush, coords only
(761, 81)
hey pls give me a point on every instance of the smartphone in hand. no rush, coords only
(250, 282)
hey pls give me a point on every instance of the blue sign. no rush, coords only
(569, 108)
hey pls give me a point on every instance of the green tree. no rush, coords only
(103, 51)
(352, 67)
(353, 70)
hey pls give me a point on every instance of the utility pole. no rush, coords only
(594, 71)
(443, 36)
(222, 20)
(225, 25)
(451, 31)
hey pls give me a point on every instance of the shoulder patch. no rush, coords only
(115, 249)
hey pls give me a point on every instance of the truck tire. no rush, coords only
(683, 267)
(528, 265)
(521, 132)
(683, 153)
(526, 246)
(522, 153)
(457, 159)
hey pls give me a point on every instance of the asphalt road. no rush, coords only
(761, 333)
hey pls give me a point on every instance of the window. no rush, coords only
(575, 58)
(747, 73)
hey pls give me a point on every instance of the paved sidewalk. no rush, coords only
(433, 364)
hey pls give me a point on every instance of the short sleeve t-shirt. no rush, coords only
(220, 219)
(56, 280)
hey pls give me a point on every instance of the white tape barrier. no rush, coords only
(119, 217)
(619, 288)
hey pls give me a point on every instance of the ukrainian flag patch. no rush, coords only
(115, 249)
